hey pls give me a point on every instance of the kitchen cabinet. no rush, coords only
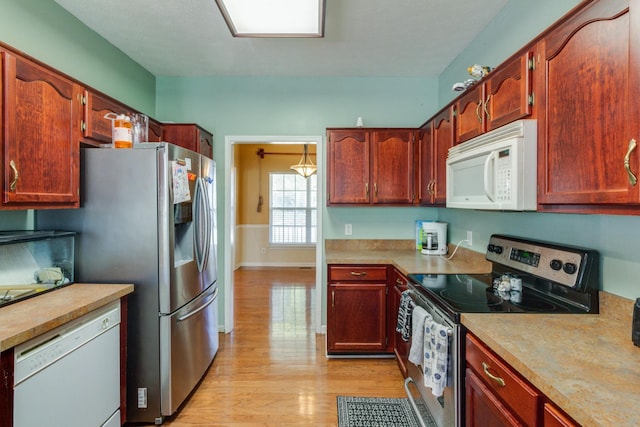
(357, 309)
(401, 347)
(590, 91)
(554, 417)
(503, 96)
(189, 136)
(497, 395)
(436, 136)
(96, 129)
(370, 166)
(495, 391)
(155, 130)
(40, 136)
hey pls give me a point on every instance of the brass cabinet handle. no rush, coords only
(632, 178)
(486, 104)
(14, 183)
(432, 187)
(478, 112)
(399, 282)
(498, 380)
(333, 299)
(375, 189)
(366, 189)
(359, 273)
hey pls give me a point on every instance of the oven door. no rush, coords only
(445, 409)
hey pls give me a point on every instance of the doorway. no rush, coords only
(230, 216)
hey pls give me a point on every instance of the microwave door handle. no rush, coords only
(489, 174)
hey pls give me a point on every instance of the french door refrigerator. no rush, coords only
(148, 217)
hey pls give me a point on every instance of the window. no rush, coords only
(293, 210)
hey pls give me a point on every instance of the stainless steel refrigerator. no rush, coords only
(148, 217)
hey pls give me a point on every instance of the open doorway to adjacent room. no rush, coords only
(253, 238)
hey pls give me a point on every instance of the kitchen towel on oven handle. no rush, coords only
(436, 357)
(418, 319)
(405, 313)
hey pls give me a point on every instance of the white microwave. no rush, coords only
(496, 170)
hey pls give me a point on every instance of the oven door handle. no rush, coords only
(412, 401)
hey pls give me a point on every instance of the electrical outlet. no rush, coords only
(470, 237)
(263, 251)
(348, 230)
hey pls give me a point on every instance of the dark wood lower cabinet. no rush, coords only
(483, 408)
(357, 310)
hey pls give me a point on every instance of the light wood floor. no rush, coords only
(272, 369)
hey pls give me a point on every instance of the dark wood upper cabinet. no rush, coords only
(370, 166)
(435, 138)
(501, 97)
(590, 98)
(189, 136)
(40, 136)
(96, 129)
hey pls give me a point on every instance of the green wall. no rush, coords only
(45, 31)
(48, 33)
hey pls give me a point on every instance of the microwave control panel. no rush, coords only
(503, 176)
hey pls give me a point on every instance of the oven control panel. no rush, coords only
(561, 264)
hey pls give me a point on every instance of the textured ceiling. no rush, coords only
(381, 38)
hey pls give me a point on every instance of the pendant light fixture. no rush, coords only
(305, 167)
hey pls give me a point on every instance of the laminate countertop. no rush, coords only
(403, 255)
(585, 363)
(23, 320)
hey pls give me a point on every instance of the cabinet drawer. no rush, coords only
(357, 273)
(503, 381)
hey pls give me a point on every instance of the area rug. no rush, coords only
(378, 412)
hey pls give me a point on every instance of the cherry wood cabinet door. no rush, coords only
(348, 160)
(470, 120)
(443, 139)
(96, 129)
(483, 408)
(425, 159)
(508, 92)
(40, 136)
(591, 97)
(554, 417)
(189, 136)
(393, 166)
(155, 131)
(400, 347)
(356, 317)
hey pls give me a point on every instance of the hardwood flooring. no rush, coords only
(272, 369)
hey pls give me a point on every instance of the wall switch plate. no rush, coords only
(470, 237)
(348, 230)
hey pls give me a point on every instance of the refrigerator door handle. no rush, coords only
(214, 295)
(202, 233)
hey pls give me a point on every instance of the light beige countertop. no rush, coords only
(23, 320)
(403, 255)
(586, 363)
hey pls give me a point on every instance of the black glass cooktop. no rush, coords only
(475, 293)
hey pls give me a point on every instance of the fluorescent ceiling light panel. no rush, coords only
(274, 18)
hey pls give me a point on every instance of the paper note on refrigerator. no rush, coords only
(180, 183)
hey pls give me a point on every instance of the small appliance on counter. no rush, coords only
(32, 262)
(434, 238)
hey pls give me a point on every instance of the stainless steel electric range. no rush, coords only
(527, 276)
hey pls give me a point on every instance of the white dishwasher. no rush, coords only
(70, 376)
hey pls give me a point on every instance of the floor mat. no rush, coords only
(378, 412)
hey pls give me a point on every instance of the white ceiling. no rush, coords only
(381, 38)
